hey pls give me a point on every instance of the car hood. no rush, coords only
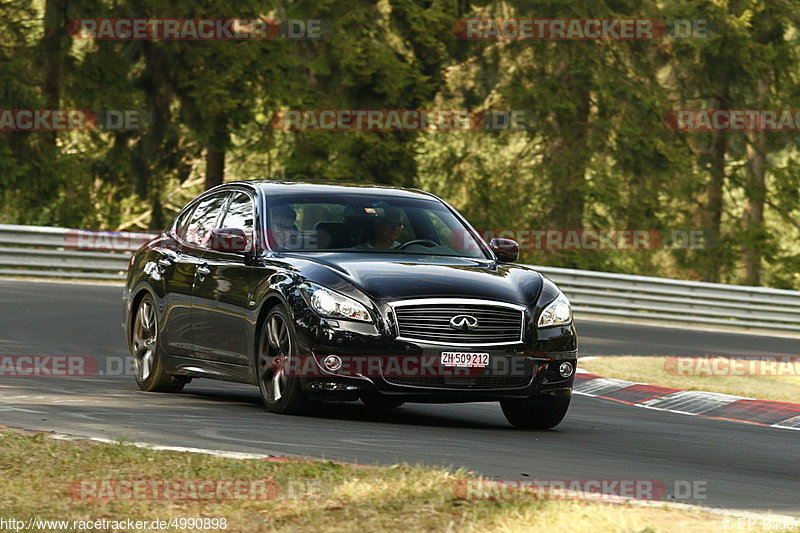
(390, 277)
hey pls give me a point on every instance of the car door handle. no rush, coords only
(203, 270)
(165, 262)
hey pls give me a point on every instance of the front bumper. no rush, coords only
(374, 361)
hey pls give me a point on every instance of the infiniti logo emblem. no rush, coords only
(463, 322)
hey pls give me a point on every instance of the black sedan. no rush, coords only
(320, 292)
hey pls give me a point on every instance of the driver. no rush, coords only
(282, 225)
(387, 229)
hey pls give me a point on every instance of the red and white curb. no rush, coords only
(706, 404)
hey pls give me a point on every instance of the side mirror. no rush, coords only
(506, 250)
(228, 240)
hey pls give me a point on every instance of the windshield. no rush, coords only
(367, 223)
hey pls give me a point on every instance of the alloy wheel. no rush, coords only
(145, 335)
(275, 350)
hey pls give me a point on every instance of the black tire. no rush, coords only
(538, 412)
(147, 356)
(380, 401)
(276, 345)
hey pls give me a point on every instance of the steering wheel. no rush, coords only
(424, 242)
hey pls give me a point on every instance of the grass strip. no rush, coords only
(39, 476)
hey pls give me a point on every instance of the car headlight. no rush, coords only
(328, 303)
(557, 313)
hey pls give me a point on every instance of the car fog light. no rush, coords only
(565, 370)
(332, 386)
(327, 385)
(332, 363)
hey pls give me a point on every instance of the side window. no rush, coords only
(182, 221)
(241, 215)
(202, 220)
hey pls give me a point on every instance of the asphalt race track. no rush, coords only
(741, 466)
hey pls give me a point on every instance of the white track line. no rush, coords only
(158, 447)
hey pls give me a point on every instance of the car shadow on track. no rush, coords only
(435, 415)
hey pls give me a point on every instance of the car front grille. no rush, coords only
(429, 321)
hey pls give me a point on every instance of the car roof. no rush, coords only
(297, 187)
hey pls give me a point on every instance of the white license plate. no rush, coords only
(465, 360)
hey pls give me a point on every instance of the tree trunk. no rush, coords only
(712, 215)
(709, 262)
(567, 159)
(55, 46)
(153, 153)
(215, 154)
(755, 195)
(215, 167)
